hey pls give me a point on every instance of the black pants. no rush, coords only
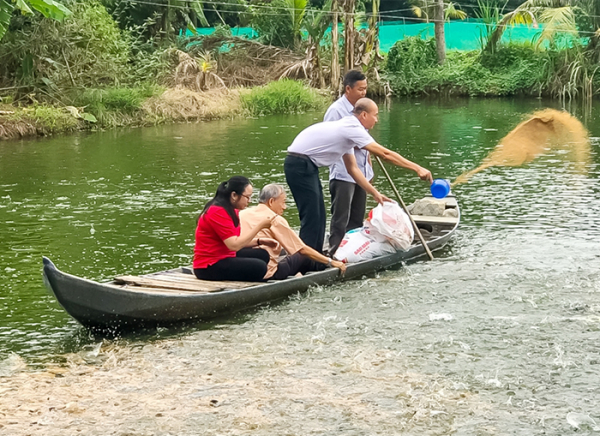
(302, 175)
(294, 264)
(249, 265)
(348, 206)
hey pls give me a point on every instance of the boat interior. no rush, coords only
(183, 281)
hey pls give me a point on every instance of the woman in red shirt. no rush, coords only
(221, 251)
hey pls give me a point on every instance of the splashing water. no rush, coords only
(544, 131)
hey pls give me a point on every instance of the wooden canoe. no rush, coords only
(175, 296)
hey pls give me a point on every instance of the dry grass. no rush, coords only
(250, 63)
(195, 73)
(183, 104)
(15, 129)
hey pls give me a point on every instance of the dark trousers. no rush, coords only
(302, 176)
(348, 206)
(294, 264)
(249, 265)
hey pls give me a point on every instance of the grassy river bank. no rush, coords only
(121, 107)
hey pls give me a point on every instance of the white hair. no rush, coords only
(272, 190)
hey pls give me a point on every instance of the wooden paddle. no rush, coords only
(417, 231)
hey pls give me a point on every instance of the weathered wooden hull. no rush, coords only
(108, 307)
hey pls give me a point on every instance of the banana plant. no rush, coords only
(316, 23)
(48, 8)
(297, 10)
(187, 8)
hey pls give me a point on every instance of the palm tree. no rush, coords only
(439, 11)
(573, 71)
(558, 16)
(372, 43)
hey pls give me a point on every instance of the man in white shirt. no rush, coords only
(348, 200)
(321, 145)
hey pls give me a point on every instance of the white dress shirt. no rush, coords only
(325, 143)
(339, 109)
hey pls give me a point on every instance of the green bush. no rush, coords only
(45, 118)
(54, 120)
(276, 27)
(412, 53)
(283, 96)
(112, 106)
(515, 71)
(86, 49)
(509, 55)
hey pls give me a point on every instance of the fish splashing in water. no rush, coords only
(543, 131)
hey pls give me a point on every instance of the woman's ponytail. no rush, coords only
(222, 197)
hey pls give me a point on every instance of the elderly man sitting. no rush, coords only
(300, 257)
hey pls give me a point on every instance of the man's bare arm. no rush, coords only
(360, 179)
(395, 159)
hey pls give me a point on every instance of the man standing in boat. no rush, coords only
(348, 199)
(323, 144)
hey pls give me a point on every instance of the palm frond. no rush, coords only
(360, 18)
(452, 12)
(523, 17)
(517, 16)
(557, 20)
(419, 12)
(533, 4)
(298, 70)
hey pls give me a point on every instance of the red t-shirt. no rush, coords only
(213, 228)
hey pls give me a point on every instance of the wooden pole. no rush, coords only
(412, 221)
(335, 60)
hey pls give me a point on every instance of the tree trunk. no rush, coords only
(319, 67)
(440, 37)
(371, 50)
(335, 57)
(349, 34)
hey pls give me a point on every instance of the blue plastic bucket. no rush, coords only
(440, 188)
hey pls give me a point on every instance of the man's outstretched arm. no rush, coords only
(395, 159)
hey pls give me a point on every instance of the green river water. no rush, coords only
(498, 335)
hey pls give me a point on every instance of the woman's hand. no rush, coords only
(266, 223)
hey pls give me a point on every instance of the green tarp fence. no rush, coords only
(460, 35)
